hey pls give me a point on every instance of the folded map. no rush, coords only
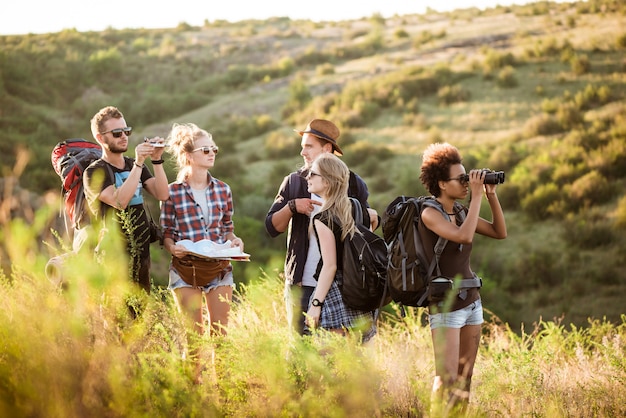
(209, 249)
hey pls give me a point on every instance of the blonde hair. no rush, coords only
(182, 140)
(337, 176)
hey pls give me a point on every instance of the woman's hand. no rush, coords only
(237, 242)
(490, 189)
(178, 251)
(313, 316)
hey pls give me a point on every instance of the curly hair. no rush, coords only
(105, 114)
(182, 140)
(436, 162)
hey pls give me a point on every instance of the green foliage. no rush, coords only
(620, 218)
(580, 64)
(85, 352)
(620, 42)
(299, 96)
(401, 33)
(560, 137)
(506, 78)
(427, 36)
(325, 69)
(453, 94)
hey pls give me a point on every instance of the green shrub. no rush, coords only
(580, 64)
(589, 190)
(620, 42)
(537, 203)
(358, 152)
(541, 125)
(495, 60)
(506, 78)
(452, 94)
(582, 232)
(400, 33)
(620, 213)
(569, 116)
(325, 69)
(550, 106)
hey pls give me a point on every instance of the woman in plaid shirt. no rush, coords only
(199, 207)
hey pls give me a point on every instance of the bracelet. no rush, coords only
(292, 206)
(157, 162)
(140, 166)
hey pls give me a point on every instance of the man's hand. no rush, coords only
(305, 205)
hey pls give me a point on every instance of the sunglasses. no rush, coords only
(207, 150)
(119, 131)
(463, 179)
(312, 173)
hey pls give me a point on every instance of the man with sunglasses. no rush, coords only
(292, 210)
(114, 183)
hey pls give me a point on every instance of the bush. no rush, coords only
(452, 94)
(580, 64)
(620, 213)
(495, 60)
(401, 33)
(537, 204)
(589, 190)
(569, 116)
(358, 152)
(588, 234)
(506, 78)
(325, 69)
(541, 125)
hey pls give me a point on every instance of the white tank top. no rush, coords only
(313, 256)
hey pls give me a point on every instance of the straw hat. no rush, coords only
(325, 130)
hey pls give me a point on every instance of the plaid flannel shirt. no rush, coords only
(182, 218)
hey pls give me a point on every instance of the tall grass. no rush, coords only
(78, 350)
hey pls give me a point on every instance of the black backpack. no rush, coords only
(364, 266)
(409, 274)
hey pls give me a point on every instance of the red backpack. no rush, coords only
(70, 158)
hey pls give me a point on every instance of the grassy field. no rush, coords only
(76, 351)
(538, 91)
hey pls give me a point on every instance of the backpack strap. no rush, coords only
(357, 210)
(440, 245)
(353, 189)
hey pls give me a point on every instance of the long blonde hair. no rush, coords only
(337, 176)
(182, 139)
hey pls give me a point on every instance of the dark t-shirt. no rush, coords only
(455, 260)
(102, 174)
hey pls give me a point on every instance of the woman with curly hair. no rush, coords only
(456, 320)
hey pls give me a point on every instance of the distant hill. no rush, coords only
(537, 91)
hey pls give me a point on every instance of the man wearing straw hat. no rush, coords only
(292, 210)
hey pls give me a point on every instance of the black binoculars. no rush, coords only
(491, 177)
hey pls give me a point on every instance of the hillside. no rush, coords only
(538, 91)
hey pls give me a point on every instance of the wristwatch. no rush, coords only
(316, 302)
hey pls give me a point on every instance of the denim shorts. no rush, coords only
(176, 282)
(470, 315)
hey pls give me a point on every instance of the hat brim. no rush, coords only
(336, 148)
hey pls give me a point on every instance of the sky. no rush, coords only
(43, 16)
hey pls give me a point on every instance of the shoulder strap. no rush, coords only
(353, 189)
(441, 243)
(357, 210)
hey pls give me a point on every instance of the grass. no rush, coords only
(77, 351)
